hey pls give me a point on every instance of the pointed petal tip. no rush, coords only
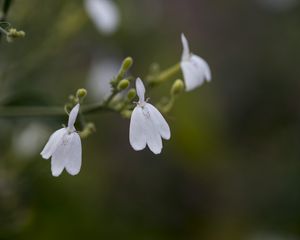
(73, 173)
(73, 115)
(55, 174)
(44, 155)
(76, 107)
(135, 148)
(156, 151)
(168, 137)
(140, 89)
(139, 81)
(186, 48)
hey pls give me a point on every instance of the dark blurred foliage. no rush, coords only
(232, 167)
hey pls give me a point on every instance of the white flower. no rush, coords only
(64, 148)
(195, 69)
(147, 125)
(99, 78)
(104, 14)
(278, 5)
(36, 132)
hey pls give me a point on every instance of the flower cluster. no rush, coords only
(147, 124)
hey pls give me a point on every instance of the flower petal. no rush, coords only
(195, 71)
(186, 50)
(159, 121)
(153, 137)
(140, 89)
(73, 116)
(104, 14)
(201, 63)
(53, 142)
(137, 137)
(62, 154)
(58, 161)
(74, 155)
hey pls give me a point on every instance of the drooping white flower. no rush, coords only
(64, 148)
(105, 15)
(147, 125)
(195, 69)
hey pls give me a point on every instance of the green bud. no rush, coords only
(126, 113)
(88, 129)
(154, 68)
(177, 87)
(123, 84)
(68, 107)
(13, 34)
(81, 93)
(131, 94)
(127, 63)
(72, 98)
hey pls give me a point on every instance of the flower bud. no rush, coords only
(81, 93)
(88, 129)
(131, 94)
(177, 87)
(126, 113)
(123, 84)
(68, 107)
(127, 63)
(13, 34)
(72, 98)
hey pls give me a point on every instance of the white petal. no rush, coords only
(104, 14)
(153, 137)
(73, 116)
(195, 71)
(201, 63)
(140, 89)
(53, 142)
(58, 161)
(186, 50)
(159, 121)
(73, 160)
(137, 137)
(65, 153)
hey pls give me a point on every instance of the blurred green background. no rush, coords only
(232, 167)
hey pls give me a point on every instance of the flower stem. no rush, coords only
(47, 111)
(2, 30)
(165, 75)
(30, 111)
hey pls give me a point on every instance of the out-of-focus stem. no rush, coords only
(48, 111)
(165, 75)
(2, 30)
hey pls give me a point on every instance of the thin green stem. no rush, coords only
(2, 30)
(165, 75)
(48, 111)
(24, 111)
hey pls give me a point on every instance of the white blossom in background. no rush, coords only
(28, 141)
(147, 125)
(99, 78)
(195, 69)
(64, 148)
(271, 236)
(278, 5)
(105, 15)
